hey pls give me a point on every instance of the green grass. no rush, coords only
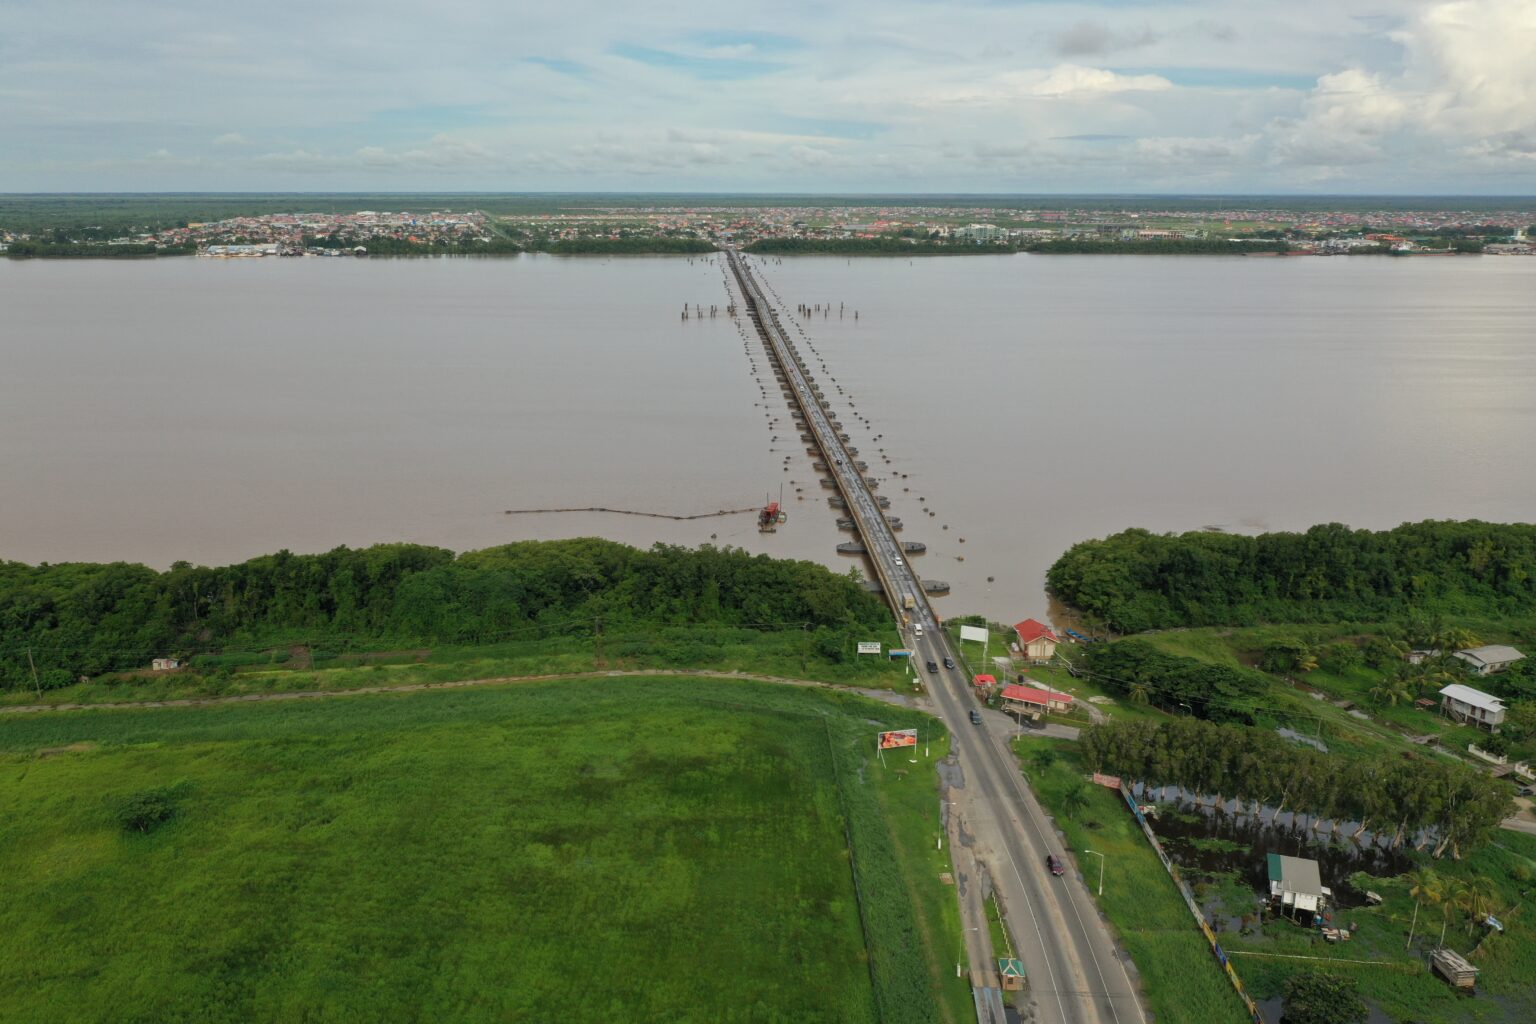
(1183, 982)
(592, 850)
(786, 653)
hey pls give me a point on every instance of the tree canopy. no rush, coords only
(1137, 580)
(81, 618)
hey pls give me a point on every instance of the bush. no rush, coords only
(1317, 997)
(145, 812)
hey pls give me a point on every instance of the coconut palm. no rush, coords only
(1425, 887)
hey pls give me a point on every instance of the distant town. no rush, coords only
(938, 229)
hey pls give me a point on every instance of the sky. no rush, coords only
(1016, 96)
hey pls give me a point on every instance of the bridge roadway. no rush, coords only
(1075, 974)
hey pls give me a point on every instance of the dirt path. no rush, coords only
(888, 696)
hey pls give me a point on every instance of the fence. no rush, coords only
(1194, 908)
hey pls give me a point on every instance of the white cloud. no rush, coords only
(231, 139)
(1076, 80)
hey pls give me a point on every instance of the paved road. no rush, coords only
(1075, 974)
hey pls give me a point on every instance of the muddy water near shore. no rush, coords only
(214, 410)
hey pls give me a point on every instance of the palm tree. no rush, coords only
(1138, 693)
(1391, 691)
(1477, 898)
(1425, 887)
(1075, 800)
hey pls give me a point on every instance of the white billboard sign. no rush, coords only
(977, 633)
(869, 647)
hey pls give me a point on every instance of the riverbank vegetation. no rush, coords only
(552, 605)
(476, 855)
(1137, 580)
(92, 251)
(1154, 247)
(1420, 800)
(883, 245)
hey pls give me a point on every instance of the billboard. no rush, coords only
(869, 647)
(977, 633)
(900, 652)
(898, 738)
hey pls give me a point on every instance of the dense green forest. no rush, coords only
(1457, 806)
(76, 618)
(634, 245)
(83, 250)
(1137, 580)
(1156, 247)
(885, 245)
(1140, 672)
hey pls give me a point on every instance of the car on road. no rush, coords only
(949, 662)
(975, 717)
(1054, 863)
(898, 560)
(933, 666)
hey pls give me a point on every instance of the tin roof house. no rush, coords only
(1488, 659)
(1472, 707)
(1296, 886)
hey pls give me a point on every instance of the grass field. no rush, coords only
(595, 850)
(787, 653)
(1182, 981)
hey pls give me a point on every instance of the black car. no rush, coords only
(1054, 863)
(949, 662)
(975, 717)
(933, 666)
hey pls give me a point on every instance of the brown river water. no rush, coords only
(214, 410)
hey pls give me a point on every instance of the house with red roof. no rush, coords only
(1032, 700)
(1037, 641)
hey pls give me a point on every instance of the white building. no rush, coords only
(1490, 658)
(1472, 706)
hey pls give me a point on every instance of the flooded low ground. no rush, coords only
(214, 410)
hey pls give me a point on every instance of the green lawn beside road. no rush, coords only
(582, 850)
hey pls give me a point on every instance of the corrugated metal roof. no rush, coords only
(1295, 874)
(1031, 695)
(1490, 654)
(1472, 698)
(1030, 630)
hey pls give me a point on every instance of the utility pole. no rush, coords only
(33, 665)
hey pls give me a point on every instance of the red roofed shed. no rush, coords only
(986, 680)
(1035, 701)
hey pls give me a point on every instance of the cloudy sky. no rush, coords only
(1330, 96)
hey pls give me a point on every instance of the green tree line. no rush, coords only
(82, 618)
(1137, 580)
(1448, 806)
(883, 245)
(1155, 247)
(93, 251)
(633, 245)
(1144, 675)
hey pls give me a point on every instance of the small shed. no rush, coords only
(1474, 707)
(1488, 659)
(1296, 885)
(1037, 641)
(1454, 968)
(165, 664)
(1032, 700)
(986, 680)
(1012, 973)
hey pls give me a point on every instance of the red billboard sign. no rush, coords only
(898, 738)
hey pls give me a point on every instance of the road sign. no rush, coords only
(900, 652)
(869, 647)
